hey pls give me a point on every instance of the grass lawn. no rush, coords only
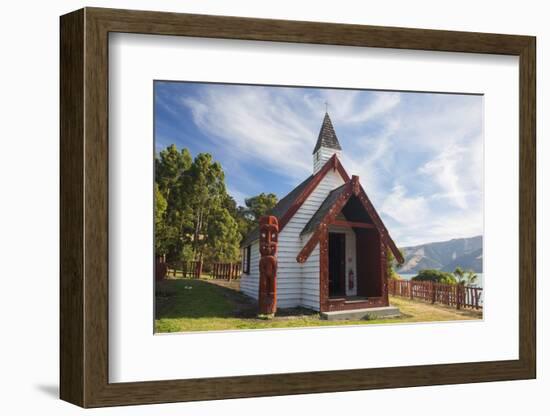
(201, 305)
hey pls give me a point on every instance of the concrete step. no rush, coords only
(364, 313)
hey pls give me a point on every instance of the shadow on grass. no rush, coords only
(191, 298)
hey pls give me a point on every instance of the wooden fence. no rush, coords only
(459, 295)
(192, 269)
(226, 271)
(161, 268)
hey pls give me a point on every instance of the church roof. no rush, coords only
(327, 204)
(332, 205)
(327, 136)
(287, 207)
(279, 210)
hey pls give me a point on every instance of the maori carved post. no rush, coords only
(269, 234)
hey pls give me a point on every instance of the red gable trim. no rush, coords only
(353, 187)
(332, 163)
(369, 207)
(331, 215)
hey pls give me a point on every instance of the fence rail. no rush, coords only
(191, 269)
(226, 271)
(459, 295)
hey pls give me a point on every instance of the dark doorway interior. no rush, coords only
(336, 264)
(369, 269)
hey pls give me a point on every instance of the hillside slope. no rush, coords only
(466, 253)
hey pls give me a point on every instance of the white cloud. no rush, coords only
(419, 156)
(382, 103)
(402, 208)
(444, 170)
(255, 124)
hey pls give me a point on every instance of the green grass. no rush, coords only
(199, 305)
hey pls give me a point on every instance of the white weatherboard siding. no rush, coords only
(310, 280)
(322, 155)
(297, 283)
(292, 289)
(351, 263)
(250, 282)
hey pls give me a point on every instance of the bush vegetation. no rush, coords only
(195, 217)
(436, 276)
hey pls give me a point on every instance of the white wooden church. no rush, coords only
(332, 244)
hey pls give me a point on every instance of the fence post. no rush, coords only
(432, 288)
(458, 295)
(411, 288)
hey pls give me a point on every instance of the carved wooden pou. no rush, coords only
(269, 235)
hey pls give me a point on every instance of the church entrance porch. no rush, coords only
(356, 267)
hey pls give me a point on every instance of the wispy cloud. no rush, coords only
(403, 208)
(444, 170)
(257, 124)
(419, 156)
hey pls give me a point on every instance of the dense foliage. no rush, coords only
(195, 217)
(436, 276)
(459, 276)
(465, 277)
(391, 265)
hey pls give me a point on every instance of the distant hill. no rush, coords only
(445, 255)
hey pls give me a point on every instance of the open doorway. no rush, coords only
(337, 264)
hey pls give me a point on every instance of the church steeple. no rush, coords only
(327, 145)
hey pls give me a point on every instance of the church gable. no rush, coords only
(350, 199)
(329, 181)
(332, 245)
(319, 201)
(287, 207)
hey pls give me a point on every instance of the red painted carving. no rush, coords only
(269, 235)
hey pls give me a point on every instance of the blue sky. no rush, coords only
(419, 156)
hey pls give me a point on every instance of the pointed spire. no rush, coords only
(327, 136)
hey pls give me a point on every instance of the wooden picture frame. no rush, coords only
(84, 207)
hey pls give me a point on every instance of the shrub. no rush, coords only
(436, 276)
